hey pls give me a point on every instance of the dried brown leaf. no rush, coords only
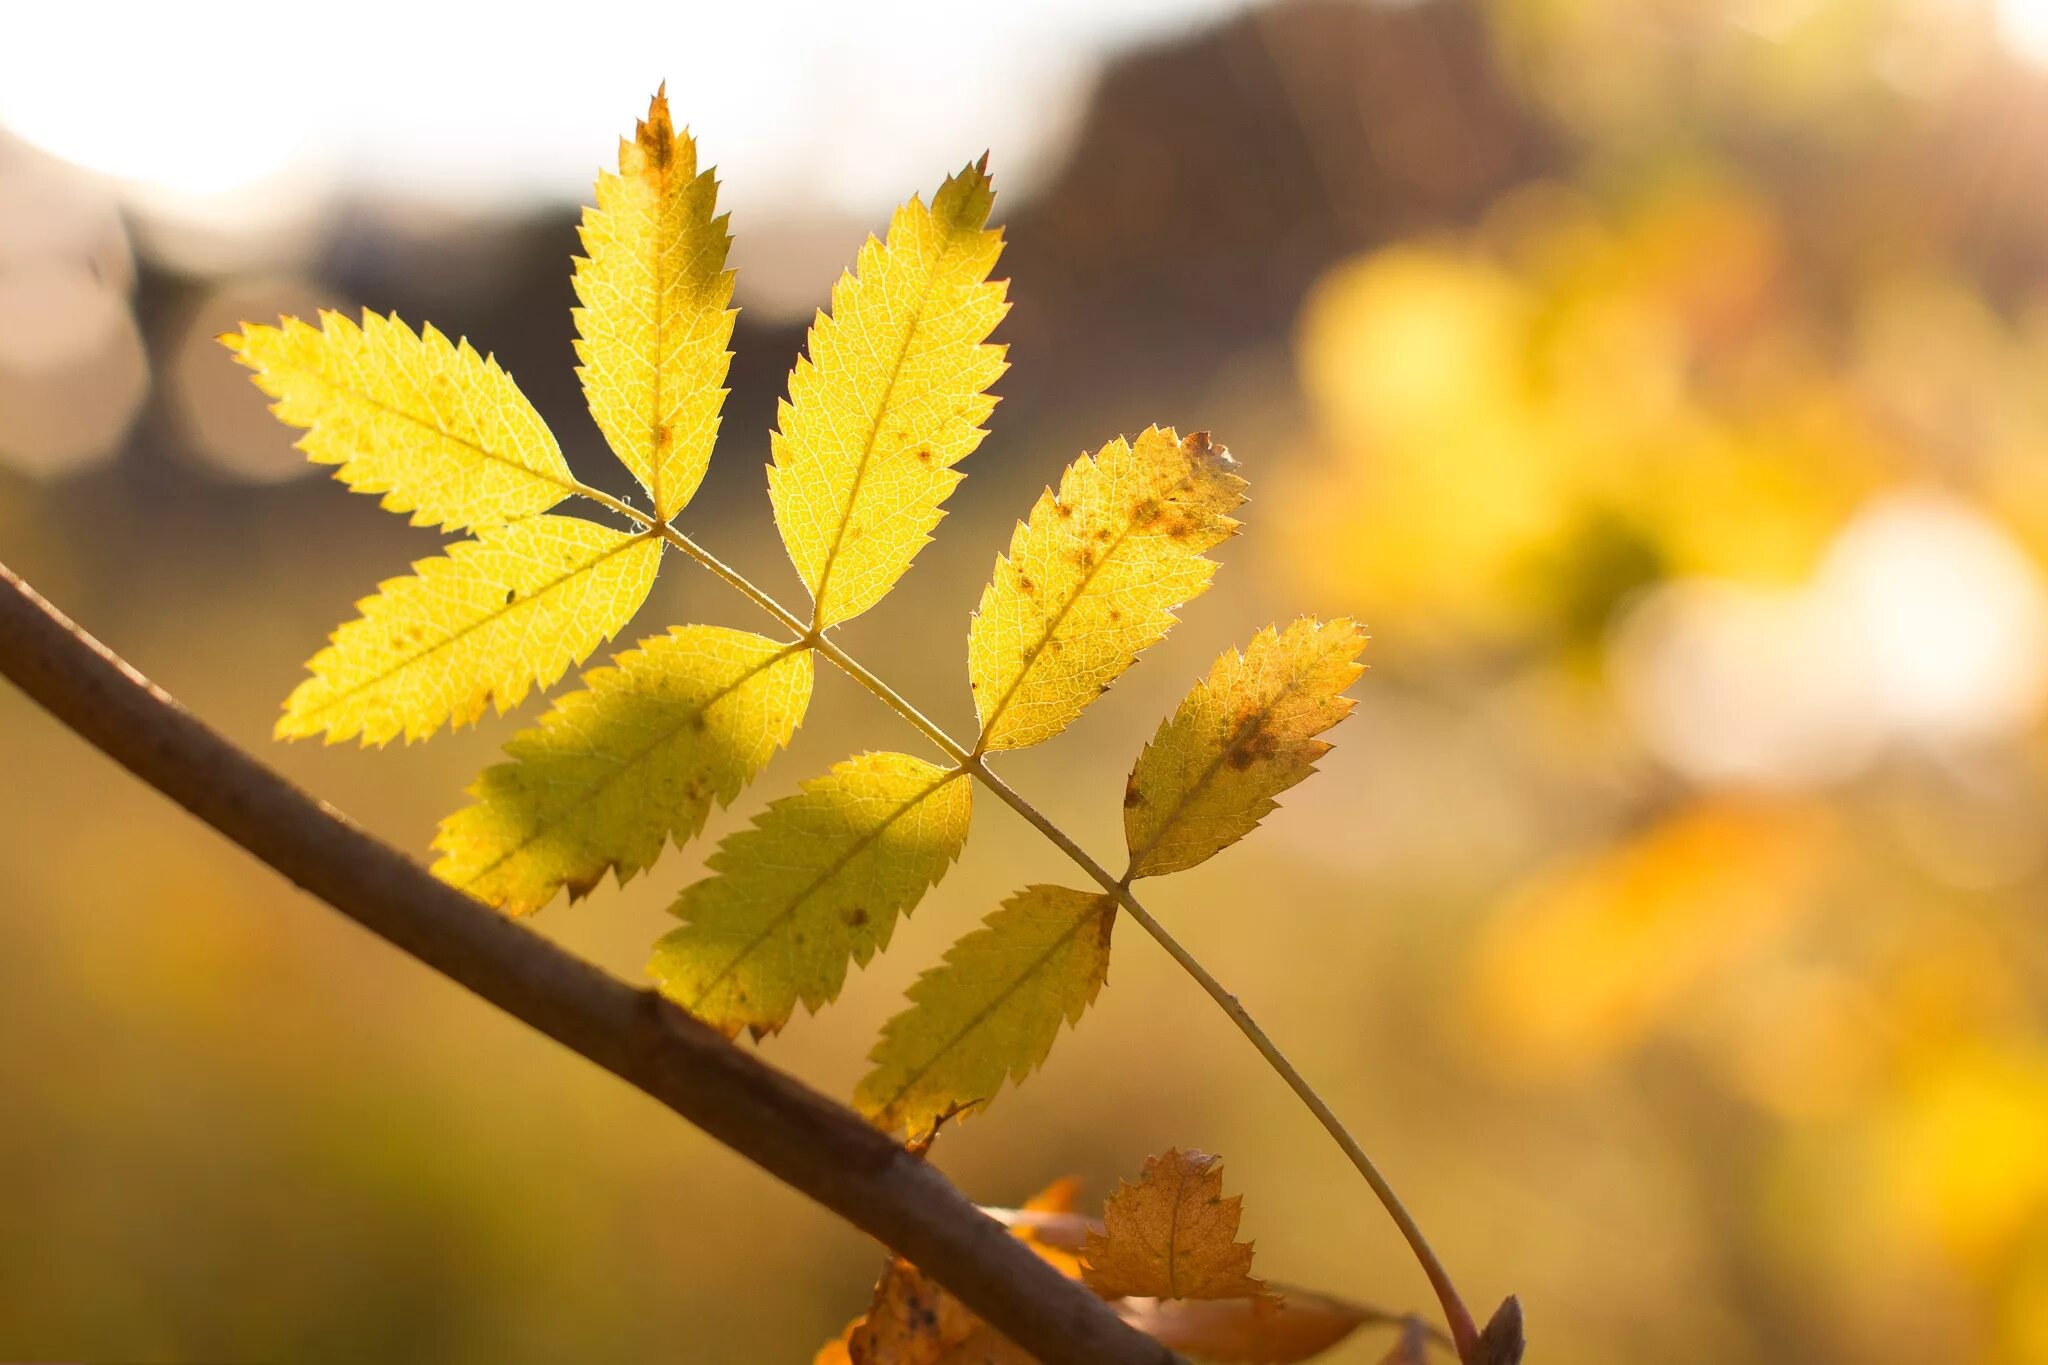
(1251, 1331)
(914, 1322)
(1172, 1236)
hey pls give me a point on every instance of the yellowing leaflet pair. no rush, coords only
(890, 395)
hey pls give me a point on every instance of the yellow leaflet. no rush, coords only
(610, 775)
(991, 1010)
(439, 430)
(819, 879)
(654, 325)
(1242, 737)
(1094, 577)
(1172, 1236)
(890, 395)
(500, 614)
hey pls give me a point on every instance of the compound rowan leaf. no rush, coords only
(1094, 577)
(654, 326)
(991, 1010)
(1172, 1236)
(612, 774)
(890, 395)
(442, 432)
(1239, 739)
(478, 627)
(816, 882)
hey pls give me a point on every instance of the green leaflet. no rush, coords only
(612, 774)
(991, 1010)
(816, 882)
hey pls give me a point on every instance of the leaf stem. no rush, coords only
(719, 567)
(1463, 1331)
(854, 669)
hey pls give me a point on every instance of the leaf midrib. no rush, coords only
(788, 912)
(933, 275)
(662, 281)
(1188, 796)
(632, 760)
(349, 390)
(1044, 641)
(1002, 998)
(448, 641)
(1180, 1186)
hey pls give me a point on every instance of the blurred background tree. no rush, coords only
(1665, 382)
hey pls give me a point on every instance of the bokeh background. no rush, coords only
(1665, 382)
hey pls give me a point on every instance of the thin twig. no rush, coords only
(795, 1134)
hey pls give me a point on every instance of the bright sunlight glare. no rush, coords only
(1926, 623)
(2023, 26)
(142, 115)
(460, 103)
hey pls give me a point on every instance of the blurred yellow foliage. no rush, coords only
(1748, 447)
(1960, 1153)
(1519, 427)
(1588, 958)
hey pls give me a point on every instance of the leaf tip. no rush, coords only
(1204, 450)
(656, 133)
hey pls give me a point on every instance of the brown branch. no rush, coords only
(795, 1134)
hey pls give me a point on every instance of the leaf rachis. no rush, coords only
(889, 396)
